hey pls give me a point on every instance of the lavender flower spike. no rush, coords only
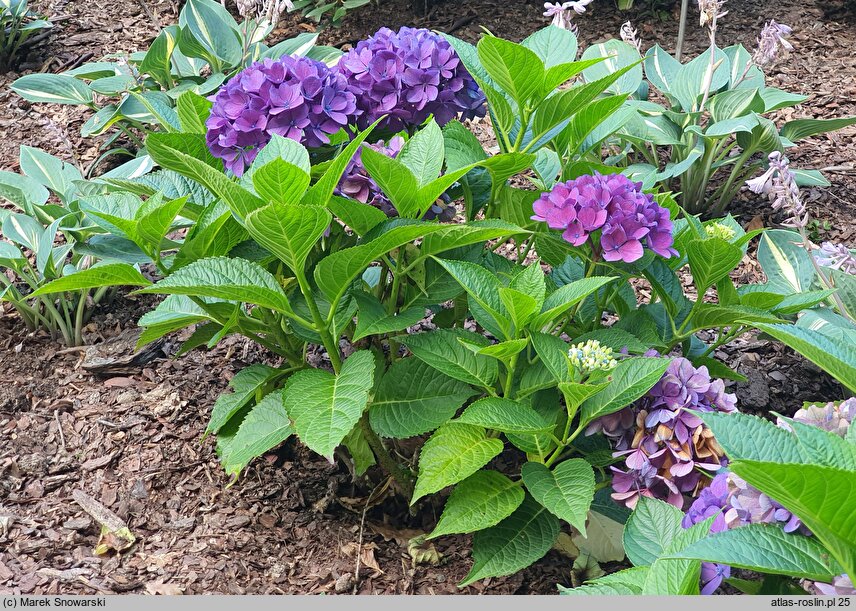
(562, 14)
(836, 256)
(780, 185)
(630, 36)
(771, 40)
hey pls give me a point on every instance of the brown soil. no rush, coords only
(293, 523)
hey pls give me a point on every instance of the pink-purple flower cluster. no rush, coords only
(628, 219)
(295, 97)
(662, 443)
(409, 75)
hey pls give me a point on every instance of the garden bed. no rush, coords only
(294, 523)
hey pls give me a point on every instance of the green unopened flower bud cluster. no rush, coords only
(718, 230)
(591, 355)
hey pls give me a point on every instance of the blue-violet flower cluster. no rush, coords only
(295, 97)
(409, 75)
(662, 443)
(629, 220)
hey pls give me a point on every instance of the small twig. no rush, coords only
(840, 169)
(59, 428)
(151, 15)
(360, 548)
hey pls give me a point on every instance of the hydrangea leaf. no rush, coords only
(566, 491)
(442, 350)
(506, 416)
(453, 453)
(414, 398)
(765, 548)
(650, 530)
(246, 384)
(289, 231)
(325, 407)
(262, 429)
(519, 540)
(106, 274)
(567, 296)
(711, 260)
(482, 500)
(630, 379)
(626, 582)
(225, 278)
(423, 153)
(280, 182)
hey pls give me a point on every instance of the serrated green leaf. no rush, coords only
(765, 548)
(566, 491)
(482, 500)
(711, 260)
(519, 540)
(288, 231)
(414, 398)
(262, 429)
(325, 407)
(246, 384)
(107, 274)
(280, 182)
(630, 379)
(374, 320)
(504, 415)
(453, 453)
(567, 296)
(442, 350)
(649, 532)
(225, 278)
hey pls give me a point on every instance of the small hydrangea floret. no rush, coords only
(408, 76)
(590, 356)
(294, 97)
(718, 230)
(612, 206)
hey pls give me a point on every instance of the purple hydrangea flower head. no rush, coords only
(409, 75)
(294, 97)
(748, 505)
(659, 431)
(830, 417)
(840, 586)
(628, 220)
(712, 501)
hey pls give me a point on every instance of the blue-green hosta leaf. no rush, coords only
(52, 172)
(52, 89)
(506, 416)
(325, 407)
(774, 99)
(630, 379)
(482, 500)
(287, 230)
(553, 45)
(618, 54)
(225, 278)
(246, 384)
(105, 274)
(734, 103)
(214, 29)
(765, 548)
(785, 262)
(24, 192)
(374, 320)
(262, 429)
(689, 82)
(650, 530)
(519, 540)
(661, 68)
(803, 128)
(566, 491)
(453, 453)
(23, 230)
(442, 350)
(414, 398)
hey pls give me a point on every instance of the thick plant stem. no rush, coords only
(330, 343)
(682, 29)
(402, 476)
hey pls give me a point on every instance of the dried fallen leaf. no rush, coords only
(164, 589)
(115, 533)
(422, 551)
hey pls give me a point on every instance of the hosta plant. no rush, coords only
(18, 26)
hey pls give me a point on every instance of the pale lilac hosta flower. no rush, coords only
(408, 76)
(771, 40)
(267, 10)
(659, 432)
(780, 186)
(629, 221)
(630, 36)
(294, 97)
(563, 14)
(836, 256)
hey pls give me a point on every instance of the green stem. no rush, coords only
(330, 344)
(402, 476)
